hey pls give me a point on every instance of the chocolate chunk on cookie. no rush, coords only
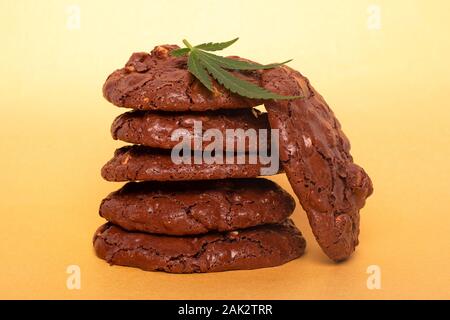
(315, 154)
(258, 247)
(196, 207)
(139, 163)
(155, 129)
(160, 81)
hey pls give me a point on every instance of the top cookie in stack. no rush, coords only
(159, 81)
(169, 218)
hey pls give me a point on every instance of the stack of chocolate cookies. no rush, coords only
(187, 217)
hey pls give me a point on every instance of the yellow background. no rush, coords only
(389, 86)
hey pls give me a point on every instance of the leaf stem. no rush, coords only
(187, 44)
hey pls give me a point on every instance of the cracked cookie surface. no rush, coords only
(258, 247)
(315, 154)
(159, 81)
(155, 129)
(196, 207)
(140, 163)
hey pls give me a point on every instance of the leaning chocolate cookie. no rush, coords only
(158, 129)
(160, 81)
(258, 247)
(196, 207)
(316, 155)
(139, 163)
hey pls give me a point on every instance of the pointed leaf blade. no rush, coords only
(240, 86)
(198, 70)
(180, 52)
(228, 63)
(216, 46)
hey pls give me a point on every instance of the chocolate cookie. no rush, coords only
(159, 81)
(135, 163)
(196, 207)
(155, 129)
(315, 154)
(258, 247)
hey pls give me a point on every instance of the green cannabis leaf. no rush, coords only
(203, 64)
